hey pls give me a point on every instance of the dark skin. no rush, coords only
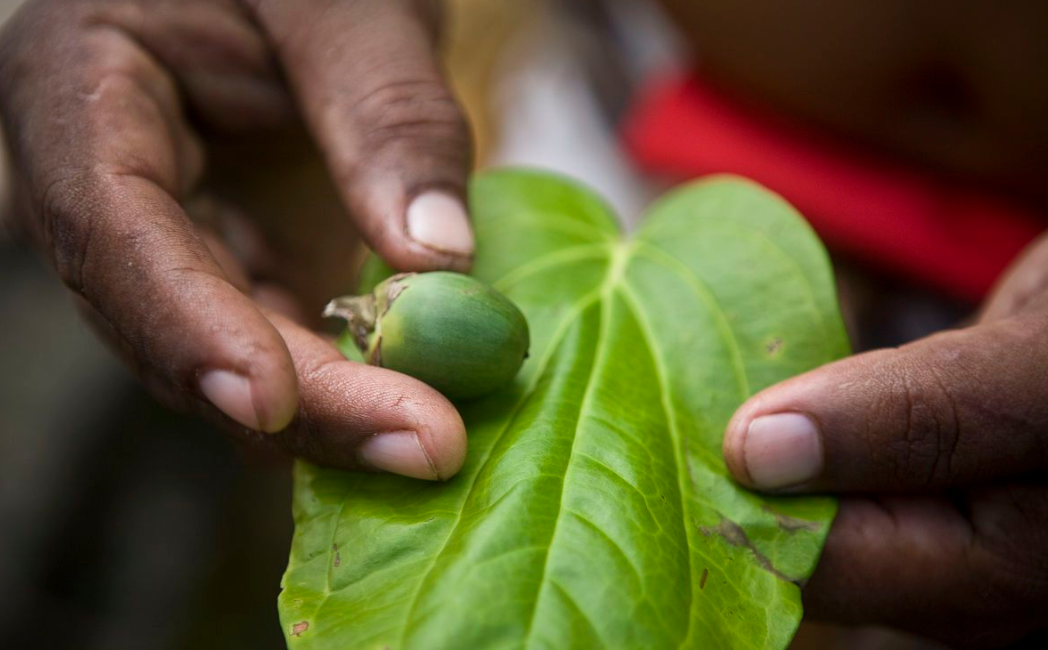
(160, 154)
(174, 161)
(949, 433)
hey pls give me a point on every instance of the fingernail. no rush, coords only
(782, 450)
(231, 394)
(437, 220)
(399, 452)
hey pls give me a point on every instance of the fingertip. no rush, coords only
(276, 403)
(436, 220)
(399, 452)
(770, 448)
(734, 445)
(782, 450)
(439, 428)
(363, 417)
(259, 404)
(433, 234)
(432, 443)
(248, 373)
(445, 442)
(232, 394)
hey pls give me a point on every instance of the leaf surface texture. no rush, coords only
(594, 509)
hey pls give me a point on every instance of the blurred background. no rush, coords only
(123, 525)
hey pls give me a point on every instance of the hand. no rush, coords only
(166, 164)
(942, 447)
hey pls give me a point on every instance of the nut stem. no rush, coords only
(359, 313)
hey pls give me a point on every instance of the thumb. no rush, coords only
(957, 408)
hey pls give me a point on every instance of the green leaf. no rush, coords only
(594, 510)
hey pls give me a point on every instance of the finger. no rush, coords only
(972, 576)
(231, 267)
(356, 416)
(957, 408)
(99, 135)
(1024, 286)
(221, 60)
(366, 78)
(271, 297)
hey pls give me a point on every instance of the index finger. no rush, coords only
(396, 142)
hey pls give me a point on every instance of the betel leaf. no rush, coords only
(594, 509)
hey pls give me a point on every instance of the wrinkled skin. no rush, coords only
(173, 160)
(950, 433)
(940, 450)
(175, 165)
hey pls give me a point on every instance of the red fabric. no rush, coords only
(952, 237)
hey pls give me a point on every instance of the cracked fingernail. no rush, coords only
(438, 220)
(399, 452)
(782, 450)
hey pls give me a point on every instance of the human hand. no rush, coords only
(165, 161)
(941, 448)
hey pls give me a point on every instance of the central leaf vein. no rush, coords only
(581, 305)
(584, 413)
(633, 306)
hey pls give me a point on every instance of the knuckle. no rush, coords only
(412, 114)
(68, 227)
(118, 60)
(927, 433)
(317, 371)
(1012, 526)
(74, 210)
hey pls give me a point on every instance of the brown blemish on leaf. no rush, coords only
(733, 533)
(299, 628)
(774, 346)
(338, 556)
(793, 524)
(702, 580)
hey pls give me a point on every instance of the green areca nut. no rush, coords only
(449, 330)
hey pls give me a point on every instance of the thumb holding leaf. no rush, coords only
(951, 435)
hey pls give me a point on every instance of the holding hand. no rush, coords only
(942, 446)
(134, 205)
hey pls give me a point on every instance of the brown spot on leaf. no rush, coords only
(793, 524)
(338, 556)
(298, 628)
(774, 345)
(702, 580)
(733, 533)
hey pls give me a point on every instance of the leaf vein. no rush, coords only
(706, 297)
(678, 443)
(581, 305)
(601, 358)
